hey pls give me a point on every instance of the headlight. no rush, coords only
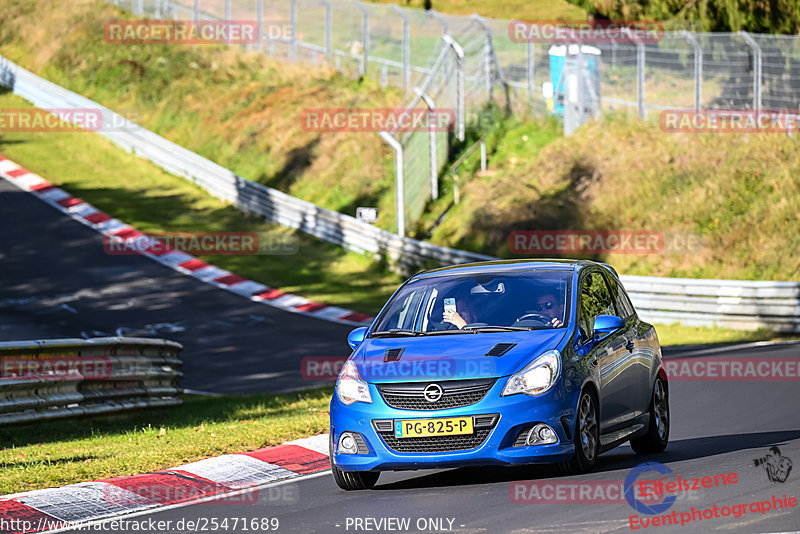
(538, 376)
(349, 386)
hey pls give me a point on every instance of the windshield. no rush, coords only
(525, 300)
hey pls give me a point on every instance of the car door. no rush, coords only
(639, 336)
(608, 354)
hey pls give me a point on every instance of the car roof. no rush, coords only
(511, 266)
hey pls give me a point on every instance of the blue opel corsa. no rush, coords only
(499, 363)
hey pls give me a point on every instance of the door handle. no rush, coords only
(594, 362)
(630, 346)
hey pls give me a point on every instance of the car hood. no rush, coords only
(451, 357)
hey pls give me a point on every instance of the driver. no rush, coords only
(551, 307)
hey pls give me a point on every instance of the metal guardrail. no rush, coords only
(54, 378)
(729, 303)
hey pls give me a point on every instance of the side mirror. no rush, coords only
(605, 324)
(356, 337)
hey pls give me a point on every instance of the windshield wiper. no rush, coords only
(497, 328)
(396, 332)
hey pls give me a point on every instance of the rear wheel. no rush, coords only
(587, 437)
(352, 480)
(658, 433)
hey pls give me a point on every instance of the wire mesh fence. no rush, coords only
(400, 47)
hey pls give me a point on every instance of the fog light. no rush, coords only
(541, 434)
(347, 444)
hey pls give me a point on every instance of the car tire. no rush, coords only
(351, 480)
(586, 437)
(657, 435)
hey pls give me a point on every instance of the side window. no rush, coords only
(624, 306)
(595, 300)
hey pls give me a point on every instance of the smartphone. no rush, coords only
(450, 304)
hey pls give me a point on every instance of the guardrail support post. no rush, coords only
(698, 68)
(757, 58)
(398, 178)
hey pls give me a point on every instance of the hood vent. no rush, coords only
(392, 355)
(500, 349)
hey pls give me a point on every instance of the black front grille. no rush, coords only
(435, 443)
(455, 393)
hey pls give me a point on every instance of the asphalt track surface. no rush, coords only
(717, 428)
(57, 281)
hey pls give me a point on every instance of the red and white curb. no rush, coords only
(227, 480)
(88, 215)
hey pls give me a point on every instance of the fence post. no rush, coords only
(757, 58)
(328, 29)
(259, 23)
(140, 7)
(529, 72)
(227, 10)
(459, 85)
(406, 46)
(445, 31)
(432, 138)
(196, 10)
(363, 67)
(293, 23)
(698, 68)
(487, 52)
(640, 64)
(398, 179)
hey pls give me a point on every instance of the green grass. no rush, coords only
(504, 9)
(65, 452)
(144, 196)
(676, 334)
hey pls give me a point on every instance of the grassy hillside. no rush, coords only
(503, 9)
(740, 192)
(241, 110)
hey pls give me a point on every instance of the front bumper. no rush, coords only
(516, 412)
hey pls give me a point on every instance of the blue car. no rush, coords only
(499, 363)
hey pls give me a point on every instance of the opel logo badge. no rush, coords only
(432, 392)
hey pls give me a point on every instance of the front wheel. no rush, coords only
(352, 480)
(587, 437)
(658, 433)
